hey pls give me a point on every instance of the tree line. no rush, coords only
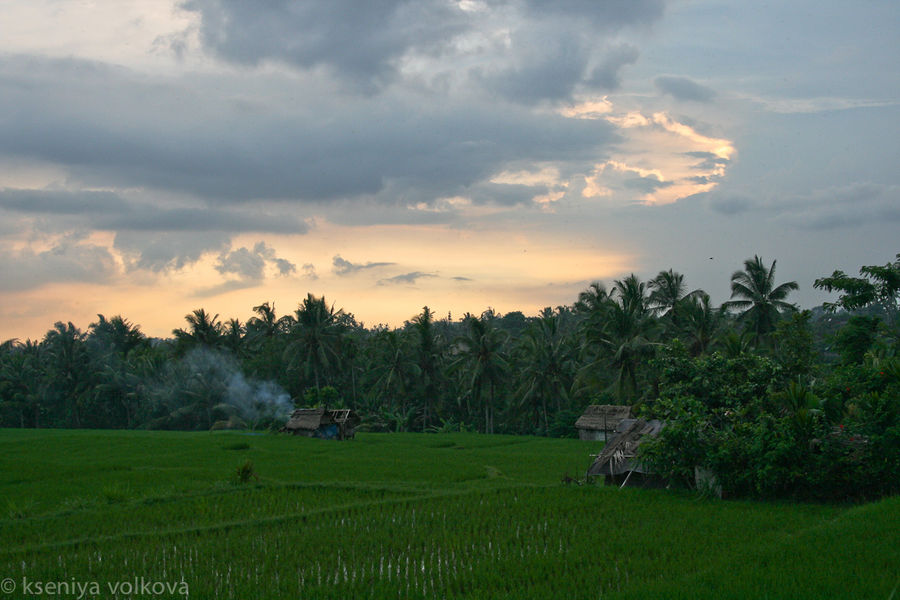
(494, 373)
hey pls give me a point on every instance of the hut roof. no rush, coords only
(306, 418)
(619, 455)
(313, 418)
(602, 417)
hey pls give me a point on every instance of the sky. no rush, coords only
(161, 156)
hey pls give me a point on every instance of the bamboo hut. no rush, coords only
(599, 421)
(339, 424)
(619, 461)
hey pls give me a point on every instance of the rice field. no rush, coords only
(402, 516)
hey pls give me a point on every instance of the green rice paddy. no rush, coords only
(404, 516)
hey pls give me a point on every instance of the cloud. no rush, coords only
(231, 285)
(682, 88)
(363, 43)
(342, 267)
(406, 278)
(646, 185)
(606, 74)
(527, 50)
(709, 161)
(605, 16)
(204, 137)
(111, 211)
(164, 251)
(250, 264)
(731, 204)
(59, 202)
(309, 272)
(70, 259)
(841, 207)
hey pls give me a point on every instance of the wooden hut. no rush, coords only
(618, 461)
(339, 424)
(599, 421)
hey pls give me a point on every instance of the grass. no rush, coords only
(408, 516)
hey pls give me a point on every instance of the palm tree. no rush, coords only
(204, 330)
(547, 365)
(68, 364)
(631, 294)
(315, 338)
(233, 336)
(481, 352)
(591, 299)
(116, 334)
(428, 359)
(699, 322)
(22, 382)
(397, 370)
(266, 324)
(619, 334)
(667, 293)
(760, 302)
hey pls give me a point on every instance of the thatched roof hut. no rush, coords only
(599, 421)
(340, 423)
(619, 456)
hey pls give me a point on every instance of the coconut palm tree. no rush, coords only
(631, 295)
(699, 322)
(68, 365)
(759, 301)
(591, 299)
(619, 333)
(315, 338)
(667, 291)
(547, 365)
(204, 330)
(116, 334)
(481, 353)
(428, 356)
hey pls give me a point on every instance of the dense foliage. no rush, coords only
(773, 400)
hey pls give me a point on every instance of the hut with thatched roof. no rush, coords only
(599, 421)
(619, 461)
(332, 424)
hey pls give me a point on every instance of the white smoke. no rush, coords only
(217, 379)
(257, 400)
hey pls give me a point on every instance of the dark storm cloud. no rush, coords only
(111, 128)
(343, 267)
(682, 88)
(406, 278)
